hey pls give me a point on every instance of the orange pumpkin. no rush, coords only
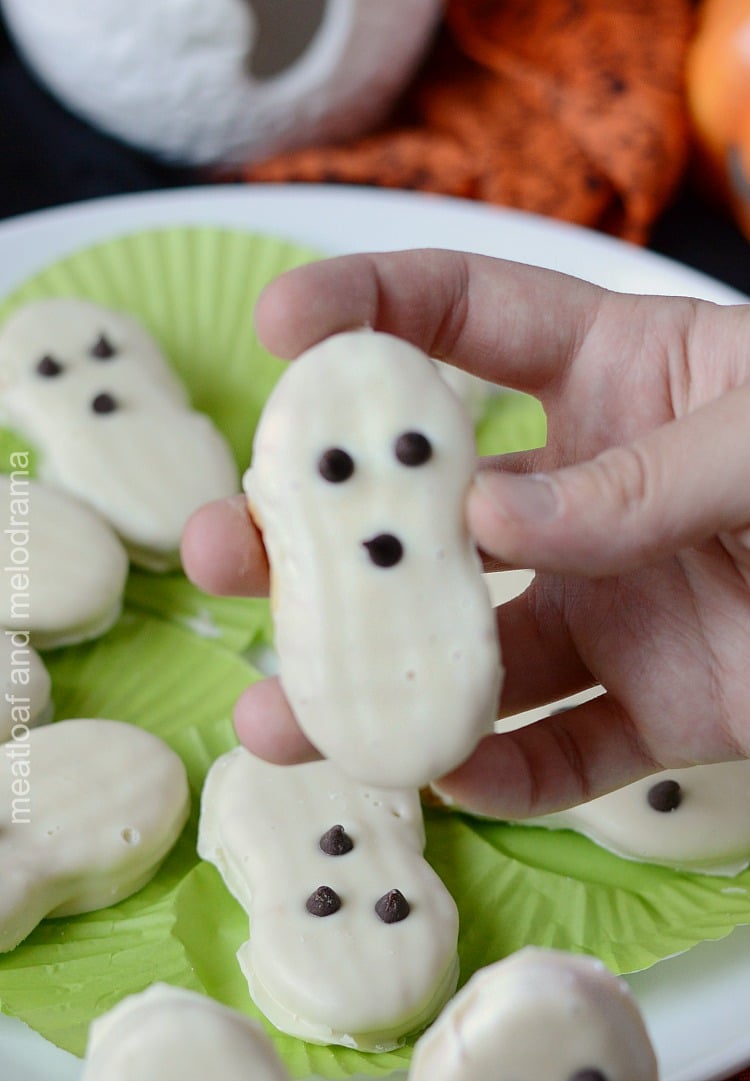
(718, 93)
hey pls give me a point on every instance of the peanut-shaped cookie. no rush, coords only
(385, 634)
(88, 811)
(111, 421)
(352, 934)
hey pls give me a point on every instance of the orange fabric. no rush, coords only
(569, 108)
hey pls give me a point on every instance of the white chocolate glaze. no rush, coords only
(170, 1034)
(392, 671)
(146, 461)
(88, 811)
(346, 978)
(64, 568)
(25, 687)
(538, 1015)
(708, 832)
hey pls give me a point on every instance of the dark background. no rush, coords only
(48, 157)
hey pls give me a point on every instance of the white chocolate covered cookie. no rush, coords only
(65, 568)
(385, 634)
(90, 389)
(352, 934)
(691, 819)
(88, 811)
(167, 1033)
(538, 1015)
(25, 686)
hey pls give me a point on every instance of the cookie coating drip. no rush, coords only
(104, 403)
(335, 465)
(323, 902)
(102, 348)
(392, 907)
(413, 449)
(665, 796)
(385, 550)
(49, 367)
(336, 842)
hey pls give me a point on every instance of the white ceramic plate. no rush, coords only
(695, 1004)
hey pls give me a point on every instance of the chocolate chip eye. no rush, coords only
(104, 403)
(336, 842)
(588, 1073)
(335, 465)
(323, 902)
(665, 796)
(102, 348)
(413, 448)
(385, 550)
(392, 907)
(49, 367)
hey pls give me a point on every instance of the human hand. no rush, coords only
(635, 515)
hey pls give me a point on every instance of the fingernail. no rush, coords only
(532, 497)
(435, 796)
(444, 801)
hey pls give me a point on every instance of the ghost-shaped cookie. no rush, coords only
(352, 934)
(89, 808)
(693, 819)
(538, 1015)
(169, 1032)
(89, 388)
(385, 634)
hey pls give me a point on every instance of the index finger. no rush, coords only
(508, 322)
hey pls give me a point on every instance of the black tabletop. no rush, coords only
(48, 158)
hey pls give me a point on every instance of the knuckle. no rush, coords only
(621, 478)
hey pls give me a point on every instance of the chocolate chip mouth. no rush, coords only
(384, 550)
(392, 907)
(104, 403)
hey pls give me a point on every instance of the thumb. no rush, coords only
(631, 505)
